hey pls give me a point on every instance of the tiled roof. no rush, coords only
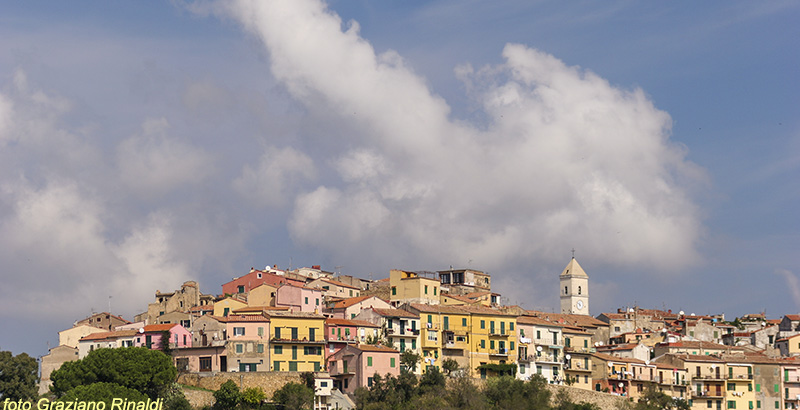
(109, 335)
(455, 310)
(159, 328)
(610, 358)
(395, 313)
(583, 321)
(793, 317)
(346, 303)
(375, 348)
(248, 318)
(337, 283)
(530, 320)
(481, 310)
(348, 322)
(296, 314)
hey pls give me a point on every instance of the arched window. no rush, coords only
(579, 290)
(565, 290)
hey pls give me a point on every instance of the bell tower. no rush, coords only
(574, 289)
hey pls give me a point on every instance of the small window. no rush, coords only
(238, 331)
(394, 290)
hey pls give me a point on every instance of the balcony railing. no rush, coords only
(528, 358)
(300, 341)
(708, 393)
(741, 377)
(407, 332)
(525, 340)
(498, 352)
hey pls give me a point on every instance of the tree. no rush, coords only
(294, 396)
(432, 380)
(228, 396)
(655, 400)
(163, 343)
(138, 368)
(252, 397)
(409, 360)
(18, 376)
(308, 379)
(449, 365)
(102, 392)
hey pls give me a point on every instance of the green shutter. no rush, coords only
(369, 361)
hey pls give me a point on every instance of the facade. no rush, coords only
(355, 365)
(399, 328)
(243, 284)
(707, 376)
(106, 340)
(578, 356)
(226, 306)
(297, 341)
(299, 298)
(200, 359)
(103, 320)
(574, 285)
(181, 300)
(492, 340)
(445, 334)
(341, 332)
(70, 337)
(262, 295)
(247, 343)
(464, 281)
(544, 350)
(789, 346)
(413, 287)
(52, 361)
(150, 336)
(208, 330)
(334, 290)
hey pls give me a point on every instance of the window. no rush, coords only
(276, 366)
(483, 344)
(240, 289)
(391, 362)
(483, 324)
(394, 290)
(292, 366)
(369, 361)
(277, 333)
(239, 348)
(731, 386)
(758, 386)
(491, 344)
(426, 289)
(260, 348)
(238, 331)
(434, 291)
(464, 322)
(511, 326)
(708, 404)
(306, 300)
(579, 290)
(261, 331)
(318, 305)
(205, 364)
(278, 349)
(369, 381)
(731, 404)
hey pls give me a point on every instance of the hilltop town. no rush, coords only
(347, 329)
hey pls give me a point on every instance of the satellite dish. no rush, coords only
(610, 364)
(141, 330)
(538, 348)
(692, 314)
(568, 357)
(630, 310)
(681, 313)
(620, 384)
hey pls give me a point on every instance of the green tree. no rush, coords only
(449, 365)
(138, 368)
(18, 376)
(409, 360)
(253, 397)
(163, 343)
(655, 400)
(228, 396)
(508, 393)
(308, 379)
(432, 381)
(294, 396)
(104, 392)
(463, 394)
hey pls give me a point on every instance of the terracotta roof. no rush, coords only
(456, 310)
(459, 297)
(296, 314)
(699, 358)
(337, 283)
(109, 335)
(260, 309)
(395, 313)
(698, 344)
(348, 322)
(248, 318)
(625, 346)
(481, 310)
(201, 308)
(610, 358)
(375, 348)
(159, 328)
(792, 317)
(583, 321)
(530, 320)
(346, 303)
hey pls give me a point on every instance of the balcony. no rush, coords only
(298, 341)
(741, 377)
(497, 333)
(546, 358)
(717, 377)
(498, 352)
(525, 340)
(432, 326)
(708, 394)
(528, 358)
(403, 333)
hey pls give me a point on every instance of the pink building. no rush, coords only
(150, 336)
(247, 345)
(244, 283)
(355, 365)
(200, 359)
(299, 298)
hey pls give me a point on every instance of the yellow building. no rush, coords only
(577, 353)
(413, 287)
(739, 391)
(445, 334)
(492, 341)
(225, 306)
(297, 342)
(262, 295)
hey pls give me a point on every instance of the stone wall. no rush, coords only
(199, 398)
(268, 381)
(603, 400)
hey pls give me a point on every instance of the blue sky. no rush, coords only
(142, 145)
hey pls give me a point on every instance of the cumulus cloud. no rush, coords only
(275, 178)
(564, 160)
(153, 164)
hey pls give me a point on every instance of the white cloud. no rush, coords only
(565, 160)
(274, 180)
(153, 164)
